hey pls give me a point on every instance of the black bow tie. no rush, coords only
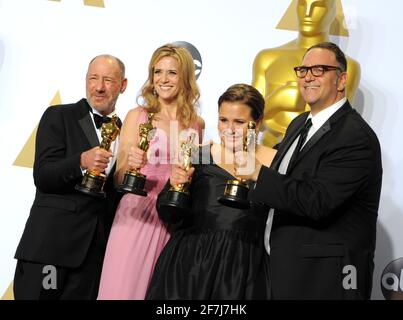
(99, 120)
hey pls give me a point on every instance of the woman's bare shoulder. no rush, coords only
(200, 122)
(265, 154)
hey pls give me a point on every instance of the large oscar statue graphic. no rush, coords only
(273, 73)
(178, 198)
(93, 181)
(134, 180)
(236, 190)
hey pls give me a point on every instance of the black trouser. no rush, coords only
(32, 281)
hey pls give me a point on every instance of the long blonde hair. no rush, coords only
(188, 94)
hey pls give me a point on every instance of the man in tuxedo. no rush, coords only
(61, 251)
(323, 192)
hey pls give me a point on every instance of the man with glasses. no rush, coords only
(274, 77)
(323, 188)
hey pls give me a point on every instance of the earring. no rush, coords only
(155, 92)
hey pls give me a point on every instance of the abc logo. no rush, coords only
(392, 280)
(195, 54)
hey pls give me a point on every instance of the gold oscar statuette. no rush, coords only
(178, 198)
(236, 190)
(93, 181)
(273, 73)
(134, 180)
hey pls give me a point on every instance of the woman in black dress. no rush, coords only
(217, 252)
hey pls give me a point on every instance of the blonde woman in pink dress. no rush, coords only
(138, 235)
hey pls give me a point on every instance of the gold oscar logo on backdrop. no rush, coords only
(8, 295)
(93, 3)
(26, 156)
(273, 73)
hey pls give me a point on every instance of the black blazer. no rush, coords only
(62, 220)
(326, 208)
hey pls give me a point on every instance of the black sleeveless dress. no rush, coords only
(217, 252)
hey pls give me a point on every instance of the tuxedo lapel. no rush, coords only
(315, 138)
(87, 125)
(325, 128)
(288, 140)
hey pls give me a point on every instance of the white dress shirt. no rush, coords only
(114, 144)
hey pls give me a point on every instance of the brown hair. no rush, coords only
(246, 94)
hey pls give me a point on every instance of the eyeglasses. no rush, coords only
(317, 70)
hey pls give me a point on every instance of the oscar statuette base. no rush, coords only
(92, 184)
(176, 203)
(133, 182)
(235, 195)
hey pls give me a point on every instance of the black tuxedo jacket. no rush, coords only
(62, 220)
(325, 210)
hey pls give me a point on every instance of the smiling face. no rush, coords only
(321, 92)
(166, 79)
(233, 118)
(315, 16)
(104, 83)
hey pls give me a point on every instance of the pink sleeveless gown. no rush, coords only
(137, 235)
